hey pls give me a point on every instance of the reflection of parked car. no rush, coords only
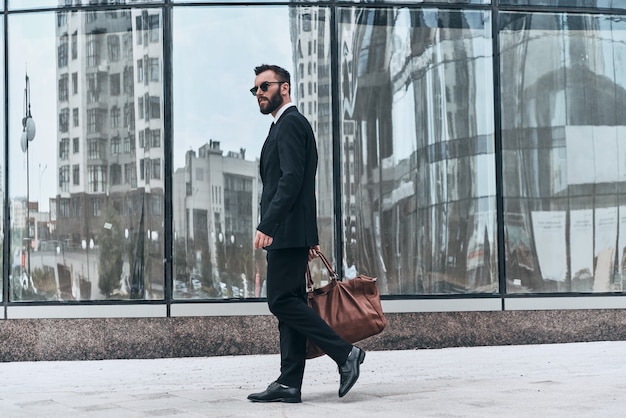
(180, 286)
(196, 281)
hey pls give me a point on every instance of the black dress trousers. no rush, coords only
(287, 299)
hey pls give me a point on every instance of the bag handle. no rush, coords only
(331, 272)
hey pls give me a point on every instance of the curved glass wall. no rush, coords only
(564, 156)
(445, 167)
(418, 149)
(605, 4)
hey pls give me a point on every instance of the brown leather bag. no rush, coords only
(351, 307)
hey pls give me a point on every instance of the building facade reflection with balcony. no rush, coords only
(110, 153)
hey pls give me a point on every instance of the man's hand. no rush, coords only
(261, 240)
(313, 252)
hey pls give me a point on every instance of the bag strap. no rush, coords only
(310, 285)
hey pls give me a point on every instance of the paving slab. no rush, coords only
(556, 380)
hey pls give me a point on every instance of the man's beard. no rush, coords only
(274, 103)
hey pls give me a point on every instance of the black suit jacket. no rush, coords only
(288, 165)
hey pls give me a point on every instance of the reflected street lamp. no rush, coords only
(28, 134)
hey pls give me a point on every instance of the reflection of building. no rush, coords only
(19, 216)
(110, 123)
(564, 154)
(412, 153)
(311, 86)
(216, 209)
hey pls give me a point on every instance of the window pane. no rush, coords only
(564, 158)
(87, 228)
(417, 139)
(361, 1)
(218, 1)
(607, 4)
(219, 132)
(2, 156)
(428, 1)
(39, 4)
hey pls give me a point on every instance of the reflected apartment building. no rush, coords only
(311, 92)
(215, 208)
(109, 197)
(216, 217)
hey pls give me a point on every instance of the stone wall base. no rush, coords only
(146, 338)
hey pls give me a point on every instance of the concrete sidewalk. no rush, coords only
(557, 380)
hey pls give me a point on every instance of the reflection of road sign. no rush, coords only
(23, 259)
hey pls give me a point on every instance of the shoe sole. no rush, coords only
(285, 400)
(358, 374)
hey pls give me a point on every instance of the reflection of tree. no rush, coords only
(221, 256)
(206, 270)
(235, 257)
(137, 285)
(180, 259)
(260, 268)
(111, 252)
(43, 281)
(246, 257)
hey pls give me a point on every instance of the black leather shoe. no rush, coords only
(349, 371)
(275, 392)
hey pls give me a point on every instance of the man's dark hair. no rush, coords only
(282, 74)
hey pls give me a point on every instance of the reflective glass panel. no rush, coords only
(359, 1)
(418, 168)
(227, 1)
(607, 4)
(428, 1)
(564, 158)
(2, 170)
(86, 193)
(42, 4)
(219, 132)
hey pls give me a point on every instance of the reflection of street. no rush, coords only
(80, 270)
(183, 291)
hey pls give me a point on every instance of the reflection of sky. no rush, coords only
(30, 4)
(403, 117)
(32, 48)
(215, 52)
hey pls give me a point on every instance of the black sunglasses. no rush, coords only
(264, 86)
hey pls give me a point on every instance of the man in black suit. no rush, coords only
(288, 231)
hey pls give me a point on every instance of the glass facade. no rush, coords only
(592, 4)
(465, 148)
(417, 140)
(563, 151)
